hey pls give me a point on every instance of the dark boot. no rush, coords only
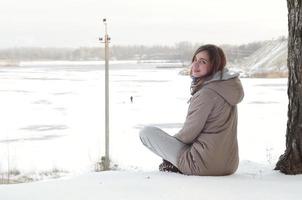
(166, 166)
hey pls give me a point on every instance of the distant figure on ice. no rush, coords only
(131, 99)
(206, 145)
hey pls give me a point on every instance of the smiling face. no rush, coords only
(201, 64)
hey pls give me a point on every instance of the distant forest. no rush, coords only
(180, 52)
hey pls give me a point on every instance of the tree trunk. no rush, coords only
(291, 161)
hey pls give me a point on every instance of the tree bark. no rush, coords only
(291, 161)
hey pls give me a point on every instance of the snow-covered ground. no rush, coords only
(53, 118)
(248, 183)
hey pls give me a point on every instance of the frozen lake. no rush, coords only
(53, 115)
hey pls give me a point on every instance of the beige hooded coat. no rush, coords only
(210, 128)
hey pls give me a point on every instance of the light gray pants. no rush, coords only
(162, 144)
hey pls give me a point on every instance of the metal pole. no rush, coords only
(106, 160)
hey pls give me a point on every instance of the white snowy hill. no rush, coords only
(269, 61)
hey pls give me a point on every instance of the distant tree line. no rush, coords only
(181, 51)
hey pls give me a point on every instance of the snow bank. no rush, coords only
(252, 181)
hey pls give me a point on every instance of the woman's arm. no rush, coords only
(200, 108)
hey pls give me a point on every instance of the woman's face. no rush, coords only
(201, 65)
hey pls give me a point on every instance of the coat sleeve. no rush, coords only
(200, 108)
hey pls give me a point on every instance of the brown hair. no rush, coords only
(216, 55)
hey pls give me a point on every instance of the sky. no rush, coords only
(78, 23)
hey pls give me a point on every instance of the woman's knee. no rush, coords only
(147, 131)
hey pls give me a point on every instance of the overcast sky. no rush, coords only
(75, 23)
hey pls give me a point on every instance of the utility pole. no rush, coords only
(105, 160)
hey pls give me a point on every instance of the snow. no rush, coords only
(54, 119)
(248, 183)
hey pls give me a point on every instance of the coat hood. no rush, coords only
(228, 86)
